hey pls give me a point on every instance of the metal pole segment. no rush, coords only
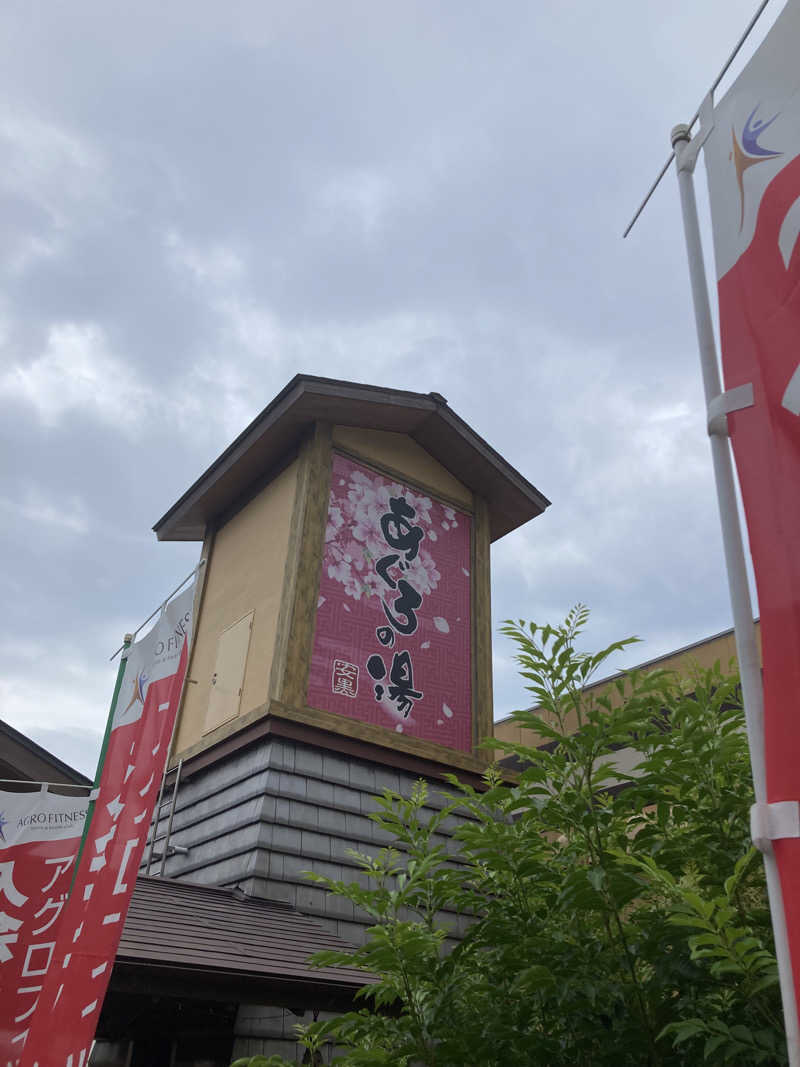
(159, 805)
(174, 799)
(744, 628)
(162, 605)
(696, 115)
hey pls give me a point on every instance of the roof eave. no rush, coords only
(468, 456)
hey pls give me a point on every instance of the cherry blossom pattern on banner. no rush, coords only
(393, 636)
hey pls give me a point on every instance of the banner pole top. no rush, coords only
(713, 89)
(130, 637)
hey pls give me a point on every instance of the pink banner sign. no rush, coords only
(39, 837)
(393, 634)
(66, 1018)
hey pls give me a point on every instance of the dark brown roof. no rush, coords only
(23, 760)
(276, 432)
(184, 934)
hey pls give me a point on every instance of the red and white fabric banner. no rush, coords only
(39, 836)
(65, 1021)
(753, 164)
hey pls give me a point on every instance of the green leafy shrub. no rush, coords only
(619, 917)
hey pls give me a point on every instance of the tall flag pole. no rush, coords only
(101, 759)
(65, 1020)
(751, 140)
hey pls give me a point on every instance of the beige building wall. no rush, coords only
(244, 573)
(255, 560)
(401, 454)
(703, 654)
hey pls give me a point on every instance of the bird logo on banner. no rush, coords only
(139, 682)
(748, 152)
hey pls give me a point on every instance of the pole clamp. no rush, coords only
(720, 407)
(687, 149)
(769, 822)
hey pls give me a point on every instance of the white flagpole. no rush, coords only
(746, 648)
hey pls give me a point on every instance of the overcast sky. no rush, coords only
(200, 200)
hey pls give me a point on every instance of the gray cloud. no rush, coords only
(199, 200)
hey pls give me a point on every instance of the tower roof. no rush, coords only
(273, 437)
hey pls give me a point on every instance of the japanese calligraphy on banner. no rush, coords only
(39, 837)
(64, 1023)
(752, 158)
(393, 634)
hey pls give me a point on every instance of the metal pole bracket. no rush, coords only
(770, 822)
(721, 406)
(685, 147)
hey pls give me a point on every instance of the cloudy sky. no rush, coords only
(200, 199)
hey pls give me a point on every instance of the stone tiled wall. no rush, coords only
(271, 1031)
(263, 816)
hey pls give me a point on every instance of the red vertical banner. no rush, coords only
(39, 837)
(65, 1020)
(753, 162)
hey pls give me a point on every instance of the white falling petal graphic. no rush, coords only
(101, 842)
(442, 625)
(447, 711)
(789, 232)
(791, 398)
(425, 644)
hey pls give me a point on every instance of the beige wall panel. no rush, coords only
(227, 680)
(704, 654)
(400, 453)
(244, 573)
